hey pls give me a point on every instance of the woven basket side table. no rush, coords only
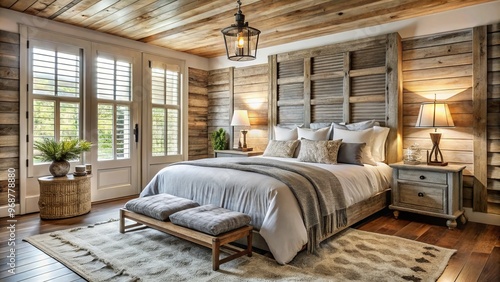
(63, 197)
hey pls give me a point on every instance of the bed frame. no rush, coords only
(355, 214)
(344, 82)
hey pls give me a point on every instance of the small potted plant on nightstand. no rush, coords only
(219, 139)
(60, 153)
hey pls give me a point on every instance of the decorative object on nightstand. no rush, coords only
(240, 118)
(412, 155)
(219, 139)
(435, 115)
(236, 153)
(429, 190)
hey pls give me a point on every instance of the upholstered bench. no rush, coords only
(209, 226)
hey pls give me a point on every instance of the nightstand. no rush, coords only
(429, 190)
(235, 153)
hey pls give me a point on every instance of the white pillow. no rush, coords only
(318, 125)
(360, 136)
(378, 144)
(285, 134)
(315, 135)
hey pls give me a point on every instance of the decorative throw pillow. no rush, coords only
(319, 151)
(285, 133)
(282, 149)
(351, 153)
(361, 136)
(378, 144)
(311, 134)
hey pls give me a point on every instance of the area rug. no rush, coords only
(100, 253)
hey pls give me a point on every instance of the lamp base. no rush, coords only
(437, 163)
(437, 160)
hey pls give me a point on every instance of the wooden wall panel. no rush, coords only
(493, 118)
(9, 111)
(198, 114)
(244, 88)
(440, 65)
(452, 66)
(219, 102)
(251, 93)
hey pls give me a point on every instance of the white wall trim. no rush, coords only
(486, 218)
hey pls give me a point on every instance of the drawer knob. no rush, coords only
(420, 194)
(422, 177)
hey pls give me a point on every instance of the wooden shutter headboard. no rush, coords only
(345, 82)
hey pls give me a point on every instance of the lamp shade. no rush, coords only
(240, 118)
(434, 115)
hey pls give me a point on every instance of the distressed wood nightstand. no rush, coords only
(235, 153)
(429, 190)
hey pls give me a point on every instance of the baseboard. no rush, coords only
(4, 211)
(31, 203)
(480, 217)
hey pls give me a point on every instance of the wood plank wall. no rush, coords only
(243, 88)
(198, 114)
(451, 67)
(9, 111)
(441, 65)
(493, 119)
(219, 100)
(251, 85)
(345, 82)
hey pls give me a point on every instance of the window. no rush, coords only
(56, 93)
(165, 112)
(114, 92)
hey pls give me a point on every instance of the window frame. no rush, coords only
(35, 170)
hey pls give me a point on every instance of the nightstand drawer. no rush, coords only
(418, 195)
(422, 176)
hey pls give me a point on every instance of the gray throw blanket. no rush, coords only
(318, 191)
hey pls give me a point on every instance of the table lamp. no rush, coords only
(240, 118)
(434, 114)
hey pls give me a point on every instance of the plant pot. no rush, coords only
(59, 168)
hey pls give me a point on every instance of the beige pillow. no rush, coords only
(319, 151)
(281, 149)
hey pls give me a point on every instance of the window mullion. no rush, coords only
(165, 128)
(57, 113)
(115, 114)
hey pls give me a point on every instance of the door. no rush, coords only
(115, 123)
(162, 114)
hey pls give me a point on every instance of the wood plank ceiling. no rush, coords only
(193, 26)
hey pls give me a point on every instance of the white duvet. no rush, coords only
(272, 206)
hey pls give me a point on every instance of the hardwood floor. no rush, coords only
(477, 245)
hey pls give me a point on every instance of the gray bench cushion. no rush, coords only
(210, 219)
(159, 206)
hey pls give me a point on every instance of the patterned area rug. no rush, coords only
(100, 253)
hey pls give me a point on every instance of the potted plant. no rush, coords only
(59, 153)
(219, 139)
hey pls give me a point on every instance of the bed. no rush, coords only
(276, 214)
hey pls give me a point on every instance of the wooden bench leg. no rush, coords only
(215, 253)
(249, 243)
(122, 221)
